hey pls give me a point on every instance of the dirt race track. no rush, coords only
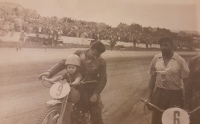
(23, 97)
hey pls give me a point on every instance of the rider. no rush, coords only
(93, 67)
(72, 74)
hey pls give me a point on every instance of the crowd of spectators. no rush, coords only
(17, 18)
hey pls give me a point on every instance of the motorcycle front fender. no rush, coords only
(53, 102)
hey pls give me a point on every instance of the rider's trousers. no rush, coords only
(94, 108)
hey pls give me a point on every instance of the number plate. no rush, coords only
(175, 116)
(59, 90)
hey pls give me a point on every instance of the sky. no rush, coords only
(170, 14)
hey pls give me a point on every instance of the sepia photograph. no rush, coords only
(100, 62)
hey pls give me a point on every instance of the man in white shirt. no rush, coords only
(168, 71)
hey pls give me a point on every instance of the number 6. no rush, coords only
(176, 119)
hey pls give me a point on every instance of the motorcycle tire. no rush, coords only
(50, 115)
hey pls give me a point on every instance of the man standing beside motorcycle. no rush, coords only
(93, 67)
(168, 72)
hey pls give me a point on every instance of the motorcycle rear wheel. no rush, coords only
(50, 115)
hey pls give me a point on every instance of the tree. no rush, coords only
(146, 30)
(147, 36)
(123, 26)
(135, 28)
(188, 42)
(163, 32)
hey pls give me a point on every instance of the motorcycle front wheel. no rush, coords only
(50, 115)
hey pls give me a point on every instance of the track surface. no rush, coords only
(23, 97)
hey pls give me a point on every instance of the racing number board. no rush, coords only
(175, 116)
(59, 90)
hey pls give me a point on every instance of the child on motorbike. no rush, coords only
(73, 77)
(72, 74)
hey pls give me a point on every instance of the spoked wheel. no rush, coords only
(50, 115)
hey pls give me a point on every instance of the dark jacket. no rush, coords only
(193, 83)
(93, 70)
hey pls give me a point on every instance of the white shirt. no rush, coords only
(169, 77)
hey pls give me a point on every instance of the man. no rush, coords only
(45, 43)
(21, 40)
(12, 29)
(112, 42)
(55, 36)
(193, 89)
(167, 70)
(93, 67)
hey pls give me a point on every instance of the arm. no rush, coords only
(53, 70)
(58, 78)
(102, 80)
(57, 68)
(77, 80)
(152, 83)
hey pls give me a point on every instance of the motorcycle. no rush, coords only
(64, 108)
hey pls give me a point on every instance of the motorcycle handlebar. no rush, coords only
(81, 82)
(193, 111)
(148, 103)
(86, 82)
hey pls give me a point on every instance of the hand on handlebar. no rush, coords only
(150, 107)
(44, 75)
(47, 79)
(147, 103)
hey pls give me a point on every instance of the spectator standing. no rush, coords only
(12, 29)
(37, 37)
(21, 40)
(134, 42)
(45, 43)
(40, 29)
(112, 42)
(55, 37)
